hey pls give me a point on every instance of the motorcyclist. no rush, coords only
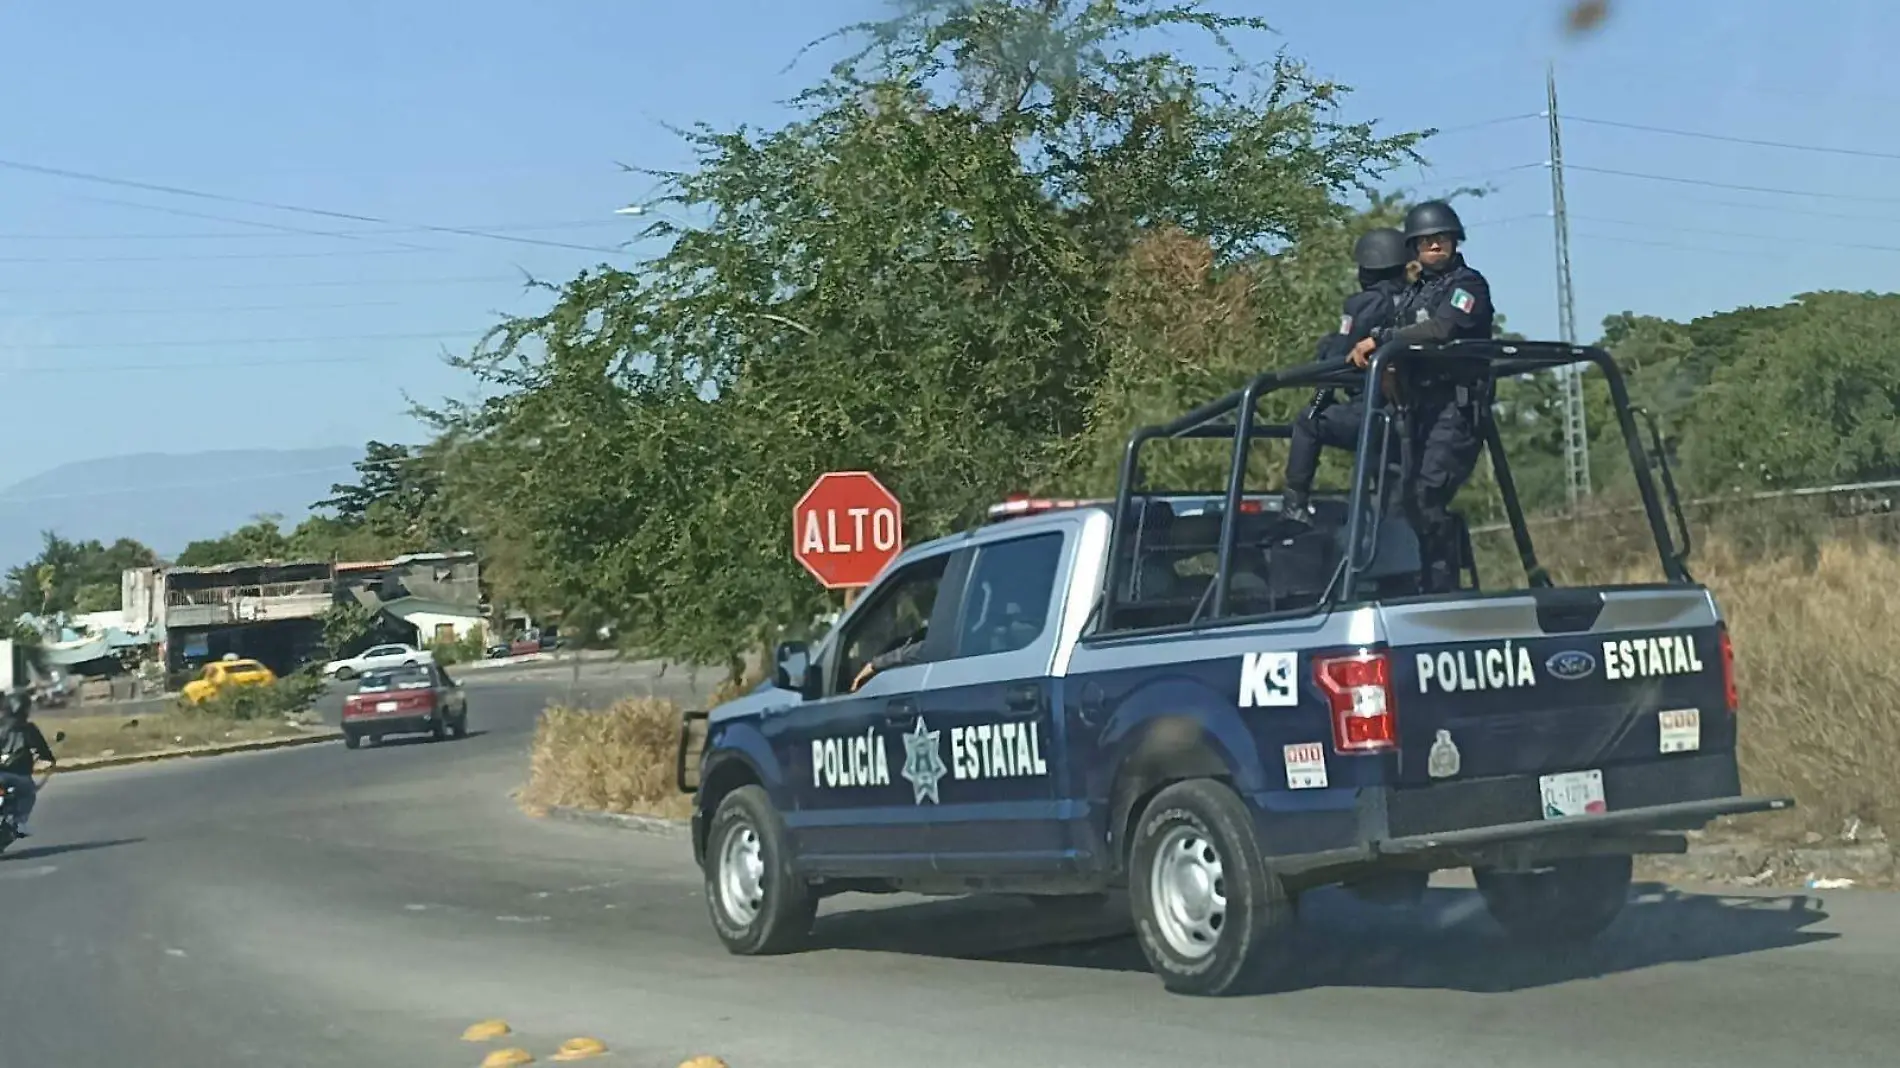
(21, 745)
(1449, 301)
(1382, 257)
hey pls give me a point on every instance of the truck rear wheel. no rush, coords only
(759, 905)
(1573, 900)
(1208, 913)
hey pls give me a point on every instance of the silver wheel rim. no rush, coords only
(741, 884)
(1188, 887)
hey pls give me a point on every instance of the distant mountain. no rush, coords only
(167, 500)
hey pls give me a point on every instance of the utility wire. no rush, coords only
(199, 194)
(207, 235)
(1735, 234)
(325, 254)
(1731, 185)
(325, 283)
(214, 309)
(280, 228)
(219, 365)
(64, 346)
(1757, 142)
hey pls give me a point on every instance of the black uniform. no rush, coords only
(1368, 311)
(1451, 304)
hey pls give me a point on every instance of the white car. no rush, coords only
(378, 656)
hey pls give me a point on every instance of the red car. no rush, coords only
(411, 699)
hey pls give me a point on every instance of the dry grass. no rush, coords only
(1813, 628)
(101, 736)
(1819, 681)
(616, 760)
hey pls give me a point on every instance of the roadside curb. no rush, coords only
(94, 763)
(656, 825)
(585, 656)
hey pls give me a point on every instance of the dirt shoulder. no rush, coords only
(88, 737)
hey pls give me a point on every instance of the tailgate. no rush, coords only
(1551, 681)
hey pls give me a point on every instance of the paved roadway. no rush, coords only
(317, 906)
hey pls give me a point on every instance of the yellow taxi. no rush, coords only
(221, 674)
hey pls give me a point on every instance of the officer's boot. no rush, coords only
(1294, 506)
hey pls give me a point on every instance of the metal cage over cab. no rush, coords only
(1235, 417)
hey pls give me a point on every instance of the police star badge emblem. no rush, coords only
(923, 766)
(1443, 761)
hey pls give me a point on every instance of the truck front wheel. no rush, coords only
(1573, 900)
(1208, 913)
(759, 905)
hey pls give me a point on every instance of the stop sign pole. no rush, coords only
(846, 529)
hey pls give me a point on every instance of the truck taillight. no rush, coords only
(1729, 691)
(1358, 690)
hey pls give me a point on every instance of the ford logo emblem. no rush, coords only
(1570, 664)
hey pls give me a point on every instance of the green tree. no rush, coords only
(261, 539)
(73, 576)
(915, 276)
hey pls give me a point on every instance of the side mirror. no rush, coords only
(793, 666)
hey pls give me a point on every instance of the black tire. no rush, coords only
(1202, 826)
(351, 739)
(778, 917)
(1570, 902)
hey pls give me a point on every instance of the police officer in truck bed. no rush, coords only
(1449, 301)
(1382, 257)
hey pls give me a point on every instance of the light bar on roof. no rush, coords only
(1021, 506)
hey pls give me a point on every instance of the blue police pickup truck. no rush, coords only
(1219, 707)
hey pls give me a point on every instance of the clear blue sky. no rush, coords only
(481, 114)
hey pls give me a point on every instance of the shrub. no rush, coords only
(289, 696)
(615, 760)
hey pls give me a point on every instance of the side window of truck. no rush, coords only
(1006, 603)
(897, 615)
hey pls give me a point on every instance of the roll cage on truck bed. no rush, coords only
(1186, 695)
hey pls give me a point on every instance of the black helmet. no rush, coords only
(1433, 217)
(1381, 250)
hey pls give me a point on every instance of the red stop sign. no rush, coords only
(846, 527)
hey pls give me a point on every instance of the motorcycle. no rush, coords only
(9, 823)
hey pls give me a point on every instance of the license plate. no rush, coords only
(1679, 730)
(1572, 793)
(385, 706)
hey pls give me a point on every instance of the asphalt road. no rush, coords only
(317, 906)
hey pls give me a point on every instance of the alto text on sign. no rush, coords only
(847, 528)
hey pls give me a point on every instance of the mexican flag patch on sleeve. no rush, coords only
(1463, 301)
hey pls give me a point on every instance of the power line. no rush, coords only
(576, 224)
(325, 254)
(280, 228)
(1737, 234)
(1676, 245)
(64, 346)
(1487, 123)
(213, 309)
(1734, 186)
(1861, 153)
(306, 284)
(172, 190)
(218, 365)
